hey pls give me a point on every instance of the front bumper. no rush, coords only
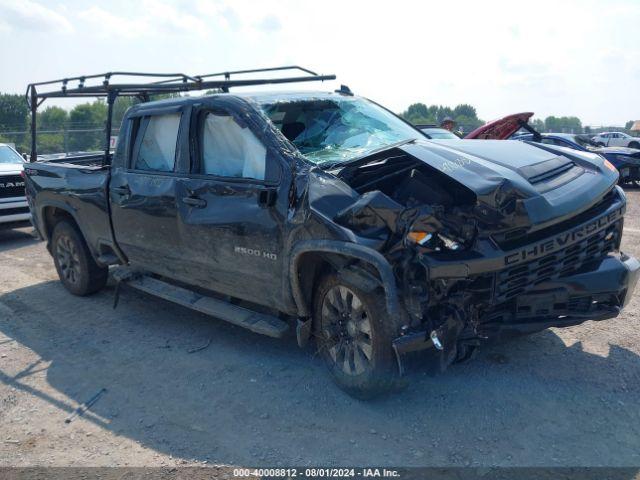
(597, 291)
(13, 210)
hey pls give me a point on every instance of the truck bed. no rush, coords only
(76, 187)
(79, 158)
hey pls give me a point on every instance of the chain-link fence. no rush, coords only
(69, 139)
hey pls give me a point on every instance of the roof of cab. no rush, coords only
(258, 97)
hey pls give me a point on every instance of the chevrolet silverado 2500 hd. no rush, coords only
(326, 212)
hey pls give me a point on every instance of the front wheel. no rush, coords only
(77, 269)
(634, 145)
(354, 334)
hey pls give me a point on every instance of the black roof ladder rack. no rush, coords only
(163, 83)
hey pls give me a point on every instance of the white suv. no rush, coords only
(14, 210)
(616, 139)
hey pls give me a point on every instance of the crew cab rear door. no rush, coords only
(142, 189)
(232, 207)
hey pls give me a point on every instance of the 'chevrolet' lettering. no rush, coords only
(562, 240)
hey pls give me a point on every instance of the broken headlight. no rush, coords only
(435, 241)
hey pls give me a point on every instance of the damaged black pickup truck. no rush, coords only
(327, 213)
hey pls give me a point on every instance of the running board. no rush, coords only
(240, 316)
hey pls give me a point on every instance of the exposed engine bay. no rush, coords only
(423, 217)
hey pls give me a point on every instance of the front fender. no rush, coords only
(353, 250)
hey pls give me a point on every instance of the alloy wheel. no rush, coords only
(68, 259)
(346, 328)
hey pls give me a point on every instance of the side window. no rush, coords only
(228, 150)
(156, 150)
(548, 141)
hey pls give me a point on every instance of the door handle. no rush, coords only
(194, 202)
(123, 190)
(267, 197)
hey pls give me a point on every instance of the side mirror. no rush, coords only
(25, 156)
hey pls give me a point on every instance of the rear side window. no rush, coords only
(229, 150)
(156, 149)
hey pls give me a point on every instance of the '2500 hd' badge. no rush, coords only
(255, 253)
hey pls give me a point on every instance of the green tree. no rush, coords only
(573, 124)
(465, 110)
(444, 112)
(417, 113)
(464, 115)
(467, 124)
(563, 124)
(52, 118)
(14, 117)
(86, 126)
(52, 123)
(14, 112)
(538, 124)
(120, 107)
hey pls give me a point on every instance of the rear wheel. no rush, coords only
(77, 269)
(354, 335)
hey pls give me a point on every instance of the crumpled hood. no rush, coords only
(481, 166)
(503, 172)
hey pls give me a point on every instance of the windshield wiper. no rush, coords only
(356, 160)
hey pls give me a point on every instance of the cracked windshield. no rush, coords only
(337, 130)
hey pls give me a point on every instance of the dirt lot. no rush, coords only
(561, 397)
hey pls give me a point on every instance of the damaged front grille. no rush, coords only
(520, 278)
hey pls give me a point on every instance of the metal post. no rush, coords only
(34, 108)
(65, 132)
(111, 98)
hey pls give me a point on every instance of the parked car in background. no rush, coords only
(616, 139)
(14, 210)
(502, 128)
(626, 160)
(437, 133)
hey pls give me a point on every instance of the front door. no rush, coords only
(232, 209)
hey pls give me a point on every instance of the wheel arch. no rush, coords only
(53, 213)
(310, 257)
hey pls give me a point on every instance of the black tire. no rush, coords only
(78, 271)
(353, 335)
(634, 145)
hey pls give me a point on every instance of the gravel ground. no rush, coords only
(562, 397)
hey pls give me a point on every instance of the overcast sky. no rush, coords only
(577, 58)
